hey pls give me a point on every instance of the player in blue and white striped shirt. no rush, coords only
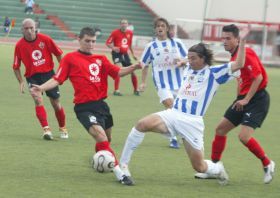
(166, 55)
(201, 80)
(200, 86)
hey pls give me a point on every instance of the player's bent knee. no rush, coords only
(143, 125)
(220, 131)
(140, 125)
(244, 138)
(38, 100)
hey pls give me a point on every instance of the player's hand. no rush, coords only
(142, 87)
(116, 49)
(35, 90)
(135, 58)
(179, 62)
(137, 65)
(21, 87)
(239, 104)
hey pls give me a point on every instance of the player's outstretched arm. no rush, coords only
(179, 62)
(127, 70)
(37, 89)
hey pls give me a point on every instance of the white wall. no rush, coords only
(231, 9)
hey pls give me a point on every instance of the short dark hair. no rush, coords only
(87, 31)
(164, 21)
(203, 52)
(123, 19)
(231, 28)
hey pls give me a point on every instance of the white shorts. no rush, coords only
(164, 94)
(189, 127)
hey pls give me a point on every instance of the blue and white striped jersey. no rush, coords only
(199, 87)
(161, 55)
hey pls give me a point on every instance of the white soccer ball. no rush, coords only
(103, 161)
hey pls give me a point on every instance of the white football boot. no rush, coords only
(47, 135)
(269, 172)
(205, 176)
(63, 133)
(222, 176)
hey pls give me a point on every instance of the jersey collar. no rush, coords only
(85, 53)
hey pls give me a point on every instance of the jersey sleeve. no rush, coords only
(253, 64)
(54, 48)
(63, 70)
(110, 38)
(17, 58)
(113, 70)
(182, 48)
(146, 55)
(223, 73)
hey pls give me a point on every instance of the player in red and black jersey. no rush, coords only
(250, 107)
(120, 41)
(89, 74)
(35, 51)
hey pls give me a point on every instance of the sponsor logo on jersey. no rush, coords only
(124, 43)
(42, 45)
(189, 92)
(37, 57)
(94, 71)
(36, 54)
(200, 77)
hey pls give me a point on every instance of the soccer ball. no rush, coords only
(103, 161)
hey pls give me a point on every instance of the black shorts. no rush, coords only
(41, 78)
(253, 113)
(121, 58)
(94, 113)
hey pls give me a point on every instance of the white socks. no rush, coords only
(118, 172)
(173, 138)
(134, 139)
(213, 168)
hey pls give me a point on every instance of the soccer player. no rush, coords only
(166, 55)
(201, 81)
(35, 51)
(248, 110)
(120, 41)
(29, 6)
(88, 74)
(7, 25)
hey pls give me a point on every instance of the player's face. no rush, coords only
(195, 61)
(230, 41)
(28, 30)
(124, 25)
(87, 44)
(161, 30)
